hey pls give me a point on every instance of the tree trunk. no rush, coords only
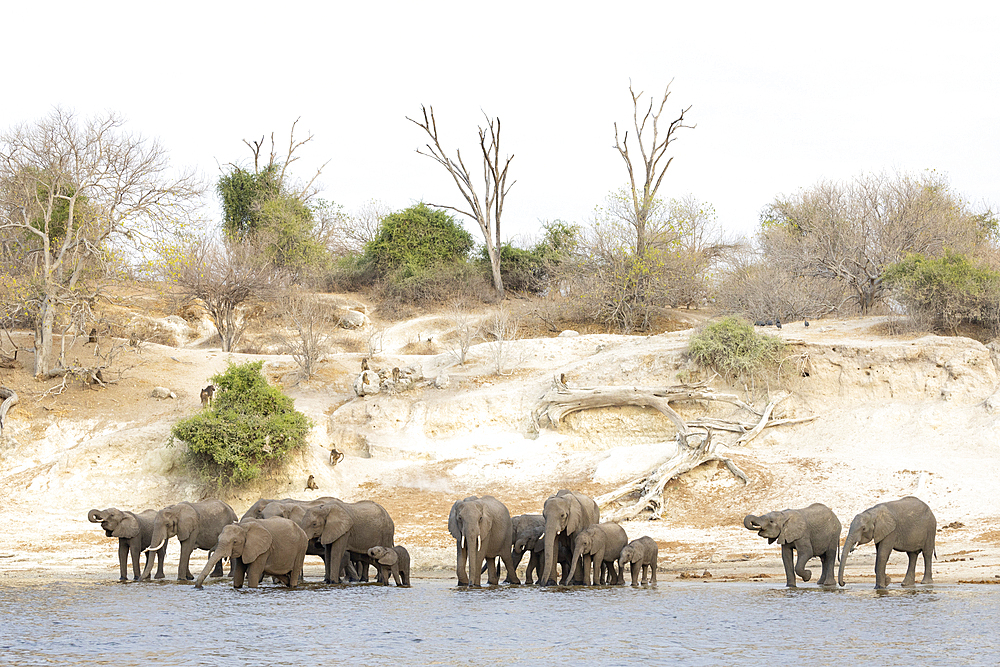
(494, 254)
(43, 338)
(10, 399)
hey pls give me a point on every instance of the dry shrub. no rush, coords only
(424, 347)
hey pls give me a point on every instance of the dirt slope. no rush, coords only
(893, 417)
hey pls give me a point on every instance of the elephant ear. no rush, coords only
(258, 540)
(127, 528)
(574, 522)
(793, 529)
(885, 523)
(389, 557)
(453, 522)
(338, 522)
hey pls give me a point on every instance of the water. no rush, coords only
(98, 622)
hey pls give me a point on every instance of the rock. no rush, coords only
(367, 384)
(352, 319)
(163, 392)
(442, 381)
(568, 333)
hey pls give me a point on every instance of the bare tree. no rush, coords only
(653, 142)
(72, 190)
(850, 232)
(363, 224)
(225, 277)
(487, 210)
(312, 321)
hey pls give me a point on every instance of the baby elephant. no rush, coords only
(641, 553)
(395, 560)
(810, 531)
(601, 543)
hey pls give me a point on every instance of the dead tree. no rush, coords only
(10, 399)
(652, 149)
(691, 448)
(485, 211)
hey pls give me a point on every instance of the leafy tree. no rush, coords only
(74, 191)
(418, 237)
(267, 205)
(951, 289)
(249, 429)
(850, 232)
(529, 270)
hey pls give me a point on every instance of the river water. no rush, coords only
(104, 622)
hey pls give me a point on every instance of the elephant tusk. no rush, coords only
(156, 548)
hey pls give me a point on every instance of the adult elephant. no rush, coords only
(258, 547)
(807, 532)
(566, 514)
(134, 532)
(483, 531)
(196, 526)
(602, 544)
(907, 524)
(344, 528)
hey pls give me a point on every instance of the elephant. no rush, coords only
(807, 532)
(395, 560)
(642, 554)
(134, 532)
(907, 524)
(566, 513)
(343, 528)
(525, 526)
(258, 547)
(196, 525)
(482, 530)
(602, 543)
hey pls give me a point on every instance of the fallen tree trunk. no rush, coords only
(10, 399)
(690, 450)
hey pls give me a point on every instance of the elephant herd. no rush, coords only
(906, 525)
(274, 536)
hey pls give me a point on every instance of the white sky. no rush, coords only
(784, 94)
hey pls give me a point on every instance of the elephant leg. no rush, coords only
(493, 572)
(217, 571)
(239, 573)
(928, 574)
(910, 579)
(511, 567)
(255, 572)
(882, 552)
(395, 576)
(463, 555)
(800, 565)
(184, 568)
(123, 554)
(788, 560)
(635, 569)
(828, 559)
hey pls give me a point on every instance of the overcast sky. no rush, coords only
(784, 94)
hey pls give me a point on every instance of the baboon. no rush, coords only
(395, 374)
(93, 336)
(206, 395)
(335, 456)
(133, 340)
(364, 364)
(311, 484)
(562, 378)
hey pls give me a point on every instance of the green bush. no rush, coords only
(250, 428)
(530, 270)
(416, 238)
(735, 350)
(949, 289)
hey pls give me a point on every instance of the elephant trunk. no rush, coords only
(216, 556)
(849, 544)
(551, 550)
(751, 522)
(577, 558)
(95, 516)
